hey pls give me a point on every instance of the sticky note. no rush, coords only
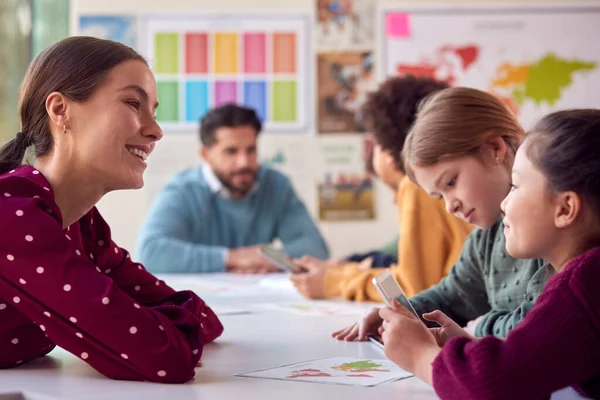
(397, 25)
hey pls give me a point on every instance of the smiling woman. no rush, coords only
(87, 107)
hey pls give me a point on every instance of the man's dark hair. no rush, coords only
(392, 109)
(228, 115)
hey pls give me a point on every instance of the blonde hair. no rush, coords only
(456, 122)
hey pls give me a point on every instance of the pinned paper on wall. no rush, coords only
(397, 25)
(205, 61)
(482, 47)
(120, 28)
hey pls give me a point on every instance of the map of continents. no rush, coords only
(540, 81)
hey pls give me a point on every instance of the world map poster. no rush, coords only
(335, 370)
(531, 57)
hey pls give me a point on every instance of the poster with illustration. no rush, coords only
(345, 188)
(532, 58)
(113, 27)
(345, 24)
(343, 83)
(335, 370)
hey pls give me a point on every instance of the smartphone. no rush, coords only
(389, 289)
(280, 259)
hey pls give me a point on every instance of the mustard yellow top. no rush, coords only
(430, 243)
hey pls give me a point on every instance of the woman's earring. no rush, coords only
(65, 131)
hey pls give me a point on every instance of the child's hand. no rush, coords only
(448, 328)
(407, 341)
(312, 282)
(366, 326)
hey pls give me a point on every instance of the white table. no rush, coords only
(261, 339)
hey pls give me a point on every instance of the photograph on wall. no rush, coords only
(345, 24)
(345, 188)
(483, 47)
(118, 28)
(204, 61)
(343, 83)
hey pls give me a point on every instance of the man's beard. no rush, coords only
(227, 181)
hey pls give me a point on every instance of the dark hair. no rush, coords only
(392, 109)
(565, 147)
(228, 115)
(75, 67)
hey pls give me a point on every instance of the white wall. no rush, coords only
(126, 210)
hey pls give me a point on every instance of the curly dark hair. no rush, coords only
(391, 110)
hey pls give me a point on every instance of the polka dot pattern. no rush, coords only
(92, 247)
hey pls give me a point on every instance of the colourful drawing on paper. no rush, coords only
(335, 370)
(360, 366)
(308, 372)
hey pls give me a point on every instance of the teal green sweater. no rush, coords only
(190, 227)
(487, 281)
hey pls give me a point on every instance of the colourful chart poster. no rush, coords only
(205, 61)
(534, 58)
(335, 370)
(114, 27)
(344, 80)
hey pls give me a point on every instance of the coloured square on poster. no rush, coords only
(283, 101)
(284, 53)
(168, 97)
(225, 92)
(226, 52)
(196, 100)
(196, 53)
(166, 53)
(255, 47)
(255, 96)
